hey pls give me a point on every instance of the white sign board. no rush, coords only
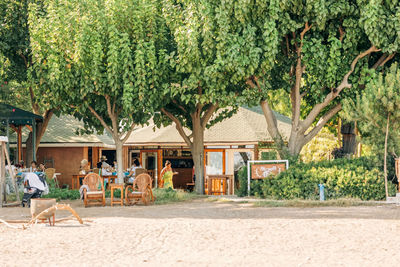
(3, 139)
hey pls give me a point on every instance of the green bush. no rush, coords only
(342, 178)
(62, 194)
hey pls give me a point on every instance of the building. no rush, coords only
(227, 145)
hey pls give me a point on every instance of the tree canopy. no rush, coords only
(377, 112)
(200, 89)
(99, 61)
(314, 50)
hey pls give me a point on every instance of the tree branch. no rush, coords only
(128, 133)
(178, 125)
(296, 97)
(321, 123)
(305, 30)
(272, 126)
(179, 106)
(209, 112)
(111, 114)
(345, 83)
(35, 106)
(387, 59)
(379, 61)
(334, 93)
(101, 120)
(341, 32)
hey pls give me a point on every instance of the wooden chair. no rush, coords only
(97, 171)
(93, 181)
(138, 172)
(140, 190)
(50, 175)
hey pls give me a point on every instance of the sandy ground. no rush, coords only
(204, 233)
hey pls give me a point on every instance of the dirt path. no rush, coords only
(203, 233)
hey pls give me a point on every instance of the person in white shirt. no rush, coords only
(132, 173)
(105, 168)
(33, 167)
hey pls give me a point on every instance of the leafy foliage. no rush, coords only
(343, 178)
(380, 99)
(86, 51)
(320, 147)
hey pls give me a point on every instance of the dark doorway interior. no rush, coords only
(111, 156)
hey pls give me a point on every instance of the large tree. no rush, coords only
(377, 112)
(16, 53)
(199, 88)
(316, 51)
(97, 60)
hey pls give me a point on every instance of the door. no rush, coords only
(150, 160)
(214, 161)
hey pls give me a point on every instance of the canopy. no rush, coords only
(17, 118)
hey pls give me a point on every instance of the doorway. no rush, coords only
(150, 160)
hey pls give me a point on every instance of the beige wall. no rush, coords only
(66, 161)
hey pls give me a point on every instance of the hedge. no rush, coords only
(342, 178)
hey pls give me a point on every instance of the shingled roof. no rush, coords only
(62, 131)
(247, 126)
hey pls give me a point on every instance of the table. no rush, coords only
(120, 187)
(76, 177)
(112, 179)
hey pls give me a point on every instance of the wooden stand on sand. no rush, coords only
(3, 157)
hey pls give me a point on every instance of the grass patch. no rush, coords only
(165, 196)
(297, 203)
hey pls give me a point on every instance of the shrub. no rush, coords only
(342, 178)
(62, 194)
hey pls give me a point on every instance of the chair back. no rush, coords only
(97, 171)
(139, 171)
(50, 173)
(142, 182)
(92, 180)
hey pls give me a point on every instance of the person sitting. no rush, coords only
(84, 168)
(115, 167)
(33, 167)
(132, 172)
(42, 168)
(105, 168)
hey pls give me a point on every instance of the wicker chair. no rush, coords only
(94, 195)
(138, 172)
(140, 190)
(50, 175)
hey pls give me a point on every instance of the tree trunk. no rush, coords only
(120, 173)
(197, 149)
(296, 144)
(40, 130)
(385, 156)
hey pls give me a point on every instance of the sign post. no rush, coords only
(264, 168)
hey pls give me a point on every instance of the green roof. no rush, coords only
(16, 116)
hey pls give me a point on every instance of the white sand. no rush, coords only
(205, 233)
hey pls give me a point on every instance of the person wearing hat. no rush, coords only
(105, 167)
(104, 163)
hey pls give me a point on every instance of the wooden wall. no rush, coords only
(66, 160)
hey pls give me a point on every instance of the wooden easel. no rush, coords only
(3, 157)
